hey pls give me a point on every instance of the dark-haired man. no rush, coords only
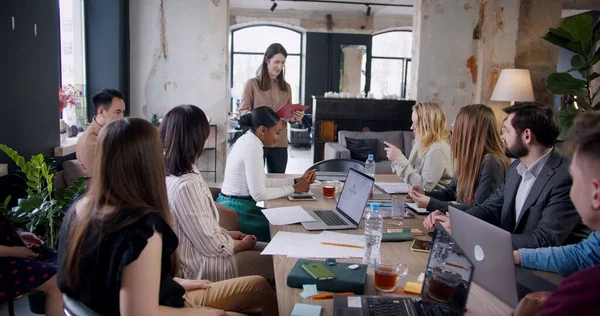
(110, 107)
(578, 294)
(533, 204)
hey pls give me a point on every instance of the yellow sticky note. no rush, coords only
(413, 288)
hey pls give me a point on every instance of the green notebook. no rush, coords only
(346, 280)
(405, 235)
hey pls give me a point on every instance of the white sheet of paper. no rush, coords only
(287, 215)
(393, 187)
(340, 238)
(300, 245)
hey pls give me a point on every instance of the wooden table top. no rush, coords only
(480, 301)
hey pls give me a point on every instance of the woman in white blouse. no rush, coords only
(429, 165)
(207, 251)
(245, 179)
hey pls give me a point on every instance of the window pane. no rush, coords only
(72, 58)
(393, 44)
(256, 39)
(245, 66)
(386, 77)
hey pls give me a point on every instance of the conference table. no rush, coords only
(480, 301)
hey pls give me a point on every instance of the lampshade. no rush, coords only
(513, 85)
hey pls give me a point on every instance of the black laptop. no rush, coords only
(445, 288)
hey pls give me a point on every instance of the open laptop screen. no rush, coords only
(355, 194)
(448, 275)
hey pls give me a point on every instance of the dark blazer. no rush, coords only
(491, 175)
(548, 216)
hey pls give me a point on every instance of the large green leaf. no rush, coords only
(564, 83)
(578, 26)
(577, 62)
(576, 47)
(556, 39)
(593, 76)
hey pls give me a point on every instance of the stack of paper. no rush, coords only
(287, 215)
(393, 187)
(300, 245)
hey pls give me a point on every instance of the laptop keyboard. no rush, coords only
(522, 291)
(330, 218)
(386, 306)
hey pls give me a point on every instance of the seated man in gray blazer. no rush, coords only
(534, 202)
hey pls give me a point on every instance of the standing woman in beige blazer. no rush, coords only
(269, 88)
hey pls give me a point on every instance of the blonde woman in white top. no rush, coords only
(430, 162)
(245, 180)
(207, 251)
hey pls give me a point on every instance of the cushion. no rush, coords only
(394, 137)
(361, 148)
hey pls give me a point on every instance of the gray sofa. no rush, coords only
(402, 139)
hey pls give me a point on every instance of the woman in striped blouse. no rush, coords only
(207, 251)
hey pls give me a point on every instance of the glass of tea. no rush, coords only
(388, 274)
(329, 189)
(442, 284)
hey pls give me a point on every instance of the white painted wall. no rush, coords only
(443, 43)
(179, 55)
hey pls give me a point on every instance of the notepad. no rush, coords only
(393, 187)
(287, 111)
(306, 310)
(418, 210)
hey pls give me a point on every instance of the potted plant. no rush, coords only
(42, 210)
(580, 35)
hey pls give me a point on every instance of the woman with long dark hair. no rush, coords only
(270, 89)
(479, 161)
(117, 250)
(245, 180)
(206, 250)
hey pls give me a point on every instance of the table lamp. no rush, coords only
(513, 85)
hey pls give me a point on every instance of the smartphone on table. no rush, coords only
(318, 271)
(419, 245)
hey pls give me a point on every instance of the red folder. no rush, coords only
(287, 111)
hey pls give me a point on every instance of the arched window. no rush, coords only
(390, 64)
(248, 45)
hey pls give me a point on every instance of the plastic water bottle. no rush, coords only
(373, 233)
(370, 166)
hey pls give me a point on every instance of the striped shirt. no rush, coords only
(205, 249)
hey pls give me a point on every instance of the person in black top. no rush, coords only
(26, 264)
(479, 161)
(117, 251)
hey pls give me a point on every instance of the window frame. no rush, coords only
(404, 60)
(233, 53)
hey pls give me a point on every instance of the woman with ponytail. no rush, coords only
(245, 180)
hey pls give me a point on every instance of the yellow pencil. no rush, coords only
(341, 245)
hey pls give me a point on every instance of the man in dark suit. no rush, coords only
(534, 202)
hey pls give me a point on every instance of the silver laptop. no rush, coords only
(490, 248)
(350, 205)
(445, 289)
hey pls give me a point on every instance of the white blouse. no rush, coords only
(245, 172)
